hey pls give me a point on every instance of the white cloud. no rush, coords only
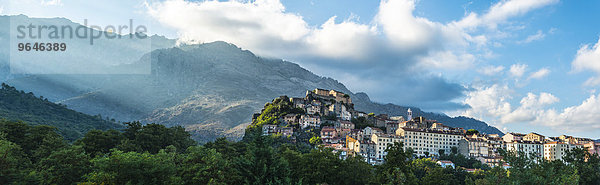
(1, 9)
(501, 12)
(261, 25)
(538, 36)
(517, 70)
(491, 104)
(408, 32)
(448, 60)
(327, 41)
(531, 107)
(51, 2)
(582, 117)
(264, 27)
(539, 74)
(488, 102)
(588, 58)
(491, 70)
(395, 41)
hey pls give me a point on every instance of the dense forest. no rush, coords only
(155, 154)
(18, 105)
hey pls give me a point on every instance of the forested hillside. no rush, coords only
(155, 154)
(18, 105)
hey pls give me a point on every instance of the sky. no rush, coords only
(519, 65)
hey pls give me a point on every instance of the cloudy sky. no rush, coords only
(519, 65)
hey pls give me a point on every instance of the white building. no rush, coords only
(345, 114)
(475, 147)
(310, 121)
(557, 150)
(528, 147)
(369, 131)
(382, 141)
(427, 141)
(445, 164)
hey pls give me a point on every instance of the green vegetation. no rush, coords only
(472, 131)
(17, 105)
(154, 154)
(273, 111)
(461, 160)
(361, 123)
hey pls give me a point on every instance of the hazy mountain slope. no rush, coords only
(18, 105)
(211, 89)
(105, 56)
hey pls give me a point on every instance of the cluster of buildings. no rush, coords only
(332, 111)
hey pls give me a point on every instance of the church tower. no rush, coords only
(409, 115)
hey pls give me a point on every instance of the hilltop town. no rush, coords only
(329, 118)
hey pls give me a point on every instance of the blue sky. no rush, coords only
(529, 65)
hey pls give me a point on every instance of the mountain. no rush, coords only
(211, 89)
(18, 105)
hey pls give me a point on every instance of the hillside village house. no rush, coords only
(344, 124)
(474, 147)
(274, 129)
(574, 140)
(369, 131)
(391, 127)
(511, 136)
(556, 150)
(290, 118)
(382, 141)
(329, 135)
(593, 147)
(364, 148)
(534, 137)
(356, 134)
(527, 147)
(269, 129)
(310, 121)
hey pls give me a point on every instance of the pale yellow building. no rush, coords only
(555, 150)
(534, 137)
(382, 141)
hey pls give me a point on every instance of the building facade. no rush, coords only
(429, 142)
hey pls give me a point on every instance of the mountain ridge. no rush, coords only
(211, 89)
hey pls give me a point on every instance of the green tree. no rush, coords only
(154, 137)
(35, 141)
(14, 165)
(97, 142)
(587, 165)
(65, 166)
(396, 169)
(134, 168)
(202, 165)
(261, 165)
(472, 131)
